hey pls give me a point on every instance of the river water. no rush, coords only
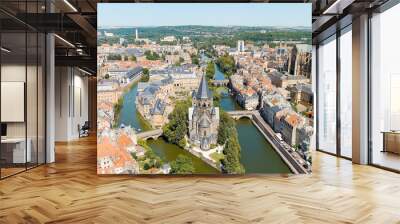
(257, 155)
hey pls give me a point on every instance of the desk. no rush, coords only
(15, 148)
(391, 141)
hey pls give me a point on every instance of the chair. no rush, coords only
(84, 130)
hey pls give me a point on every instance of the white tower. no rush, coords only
(137, 34)
(240, 46)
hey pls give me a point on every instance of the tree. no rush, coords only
(107, 76)
(210, 70)
(150, 159)
(195, 59)
(145, 76)
(231, 160)
(216, 98)
(146, 166)
(114, 57)
(175, 131)
(146, 71)
(117, 110)
(227, 136)
(227, 65)
(151, 55)
(182, 165)
(133, 58)
(226, 128)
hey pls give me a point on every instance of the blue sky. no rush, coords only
(214, 14)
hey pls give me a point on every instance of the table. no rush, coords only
(13, 150)
(391, 141)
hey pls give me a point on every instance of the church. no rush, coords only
(203, 118)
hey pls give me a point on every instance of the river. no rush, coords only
(128, 115)
(257, 155)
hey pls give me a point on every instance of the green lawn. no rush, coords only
(217, 156)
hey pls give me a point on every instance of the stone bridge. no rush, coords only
(223, 82)
(237, 114)
(154, 134)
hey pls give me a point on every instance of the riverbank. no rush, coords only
(169, 152)
(204, 158)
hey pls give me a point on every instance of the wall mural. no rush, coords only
(204, 88)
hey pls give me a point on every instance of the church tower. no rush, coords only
(203, 118)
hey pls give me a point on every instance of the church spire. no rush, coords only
(203, 92)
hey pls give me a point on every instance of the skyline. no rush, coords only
(120, 15)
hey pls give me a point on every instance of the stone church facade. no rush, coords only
(203, 118)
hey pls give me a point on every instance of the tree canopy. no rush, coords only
(182, 165)
(117, 110)
(227, 65)
(150, 55)
(150, 159)
(210, 70)
(231, 161)
(195, 59)
(227, 136)
(177, 127)
(112, 57)
(146, 75)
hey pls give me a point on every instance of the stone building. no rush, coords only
(289, 127)
(271, 105)
(301, 93)
(292, 60)
(281, 80)
(248, 98)
(153, 102)
(303, 60)
(203, 118)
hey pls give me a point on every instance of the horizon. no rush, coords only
(127, 15)
(120, 27)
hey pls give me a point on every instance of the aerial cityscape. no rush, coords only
(191, 96)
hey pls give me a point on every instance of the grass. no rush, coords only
(144, 123)
(217, 156)
(221, 89)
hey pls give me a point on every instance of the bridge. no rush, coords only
(154, 134)
(237, 114)
(223, 82)
(271, 137)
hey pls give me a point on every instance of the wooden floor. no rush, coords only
(387, 159)
(69, 191)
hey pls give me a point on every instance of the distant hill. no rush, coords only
(201, 33)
